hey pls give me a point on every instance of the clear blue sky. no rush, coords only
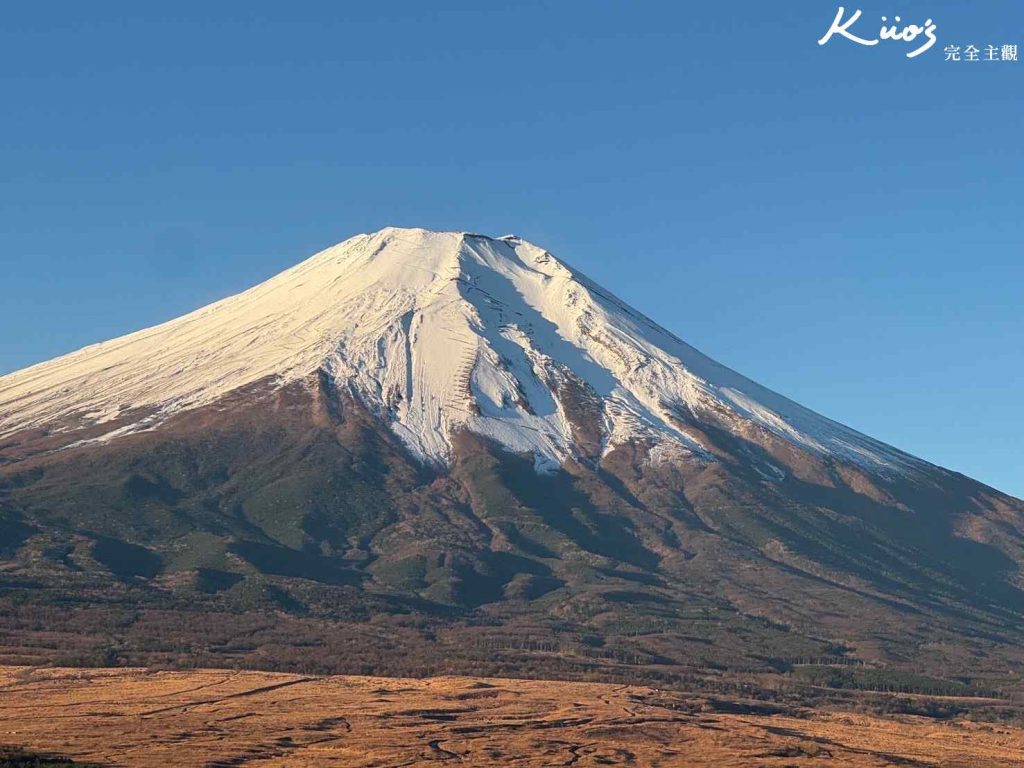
(840, 223)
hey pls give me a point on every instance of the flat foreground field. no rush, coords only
(223, 718)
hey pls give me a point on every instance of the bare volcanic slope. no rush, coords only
(422, 451)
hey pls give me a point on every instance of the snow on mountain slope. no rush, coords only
(435, 331)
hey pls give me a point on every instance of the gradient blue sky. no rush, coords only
(841, 223)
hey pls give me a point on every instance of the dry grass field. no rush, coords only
(225, 718)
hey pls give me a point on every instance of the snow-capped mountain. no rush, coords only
(435, 332)
(430, 445)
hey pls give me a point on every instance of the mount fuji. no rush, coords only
(436, 332)
(424, 444)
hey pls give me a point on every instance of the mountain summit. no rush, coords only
(437, 451)
(437, 332)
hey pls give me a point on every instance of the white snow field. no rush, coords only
(435, 332)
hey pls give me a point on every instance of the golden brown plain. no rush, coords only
(221, 718)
